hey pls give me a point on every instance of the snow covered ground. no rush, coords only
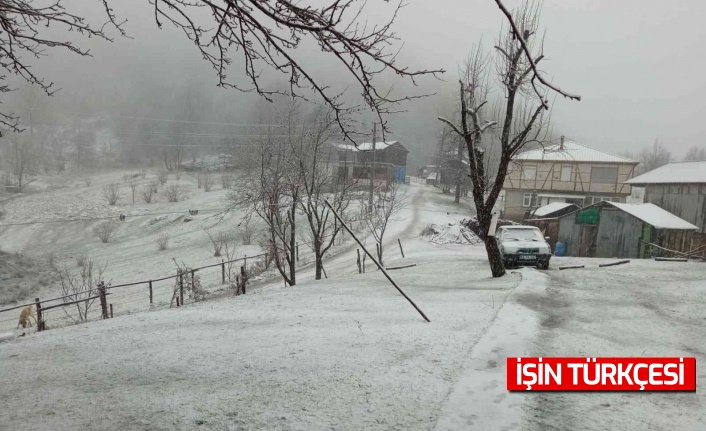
(131, 255)
(350, 353)
(644, 308)
(344, 353)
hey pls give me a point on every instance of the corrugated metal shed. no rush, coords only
(610, 229)
(674, 173)
(571, 152)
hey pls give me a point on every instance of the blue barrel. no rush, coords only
(560, 249)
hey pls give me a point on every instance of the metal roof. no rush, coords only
(571, 152)
(551, 208)
(674, 173)
(655, 216)
(368, 146)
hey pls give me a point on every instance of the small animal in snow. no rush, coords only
(26, 317)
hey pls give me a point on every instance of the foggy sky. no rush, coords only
(638, 65)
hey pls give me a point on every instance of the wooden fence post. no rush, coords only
(243, 278)
(111, 311)
(181, 289)
(360, 268)
(178, 302)
(245, 261)
(193, 283)
(40, 318)
(297, 252)
(223, 272)
(401, 251)
(103, 300)
(151, 297)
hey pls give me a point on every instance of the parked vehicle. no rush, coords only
(523, 246)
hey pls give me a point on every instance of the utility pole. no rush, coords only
(440, 158)
(372, 173)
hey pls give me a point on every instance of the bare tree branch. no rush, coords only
(521, 37)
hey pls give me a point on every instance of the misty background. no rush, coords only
(635, 64)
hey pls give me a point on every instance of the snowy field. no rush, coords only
(131, 255)
(345, 353)
(350, 353)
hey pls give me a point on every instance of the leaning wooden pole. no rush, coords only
(345, 226)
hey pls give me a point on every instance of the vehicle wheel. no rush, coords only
(543, 265)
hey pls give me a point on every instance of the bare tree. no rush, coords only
(207, 182)
(163, 177)
(653, 157)
(316, 167)
(154, 185)
(173, 192)
(132, 182)
(83, 286)
(520, 114)
(111, 193)
(162, 241)
(20, 156)
(266, 34)
(227, 180)
(695, 154)
(24, 36)
(147, 193)
(246, 229)
(105, 230)
(271, 189)
(388, 206)
(218, 240)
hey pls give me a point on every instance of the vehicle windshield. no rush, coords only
(522, 235)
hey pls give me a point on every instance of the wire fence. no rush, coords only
(219, 279)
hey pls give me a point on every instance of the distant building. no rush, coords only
(355, 163)
(567, 172)
(432, 178)
(679, 188)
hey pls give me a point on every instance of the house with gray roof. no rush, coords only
(566, 172)
(678, 187)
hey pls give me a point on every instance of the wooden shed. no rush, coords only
(618, 230)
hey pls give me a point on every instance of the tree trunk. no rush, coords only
(497, 266)
(292, 245)
(495, 259)
(319, 265)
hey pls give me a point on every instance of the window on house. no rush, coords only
(604, 175)
(566, 173)
(529, 173)
(556, 173)
(526, 199)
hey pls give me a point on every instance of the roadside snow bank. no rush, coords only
(479, 400)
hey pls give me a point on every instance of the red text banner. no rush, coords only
(601, 374)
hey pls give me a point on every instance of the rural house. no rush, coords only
(613, 229)
(679, 188)
(355, 163)
(567, 172)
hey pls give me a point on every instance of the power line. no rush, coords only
(165, 120)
